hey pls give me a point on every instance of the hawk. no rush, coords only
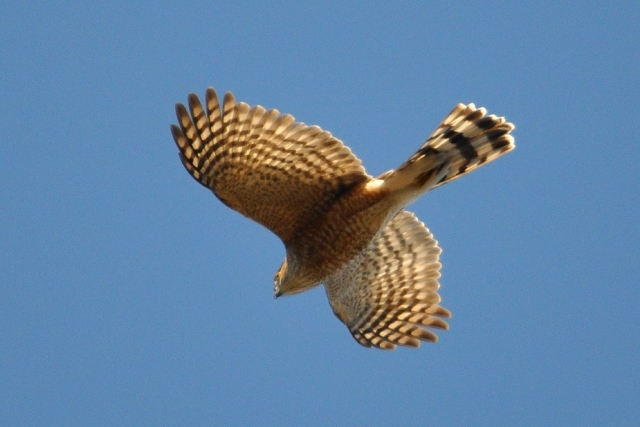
(340, 226)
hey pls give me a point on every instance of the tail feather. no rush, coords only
(464, 141)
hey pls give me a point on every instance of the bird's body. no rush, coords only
(334, 237)
(340, 227)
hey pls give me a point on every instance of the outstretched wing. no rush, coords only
(263, 164)
(388, 294)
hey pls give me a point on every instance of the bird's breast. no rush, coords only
(341, 233)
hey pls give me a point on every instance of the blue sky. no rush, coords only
(129, 295)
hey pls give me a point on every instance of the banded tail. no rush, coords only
(464, 141)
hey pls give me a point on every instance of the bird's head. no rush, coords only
(289, 280)
(279, 279)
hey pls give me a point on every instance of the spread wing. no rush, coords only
(264, 164)
(388, 294)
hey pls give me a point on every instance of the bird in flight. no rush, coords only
(340, 226)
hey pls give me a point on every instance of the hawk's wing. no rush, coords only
(263, 164)
(388, 294)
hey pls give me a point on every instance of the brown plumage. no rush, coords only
(340, 226)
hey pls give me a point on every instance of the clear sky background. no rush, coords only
(129, 295)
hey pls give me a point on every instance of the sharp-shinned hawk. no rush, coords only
(340, 226)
